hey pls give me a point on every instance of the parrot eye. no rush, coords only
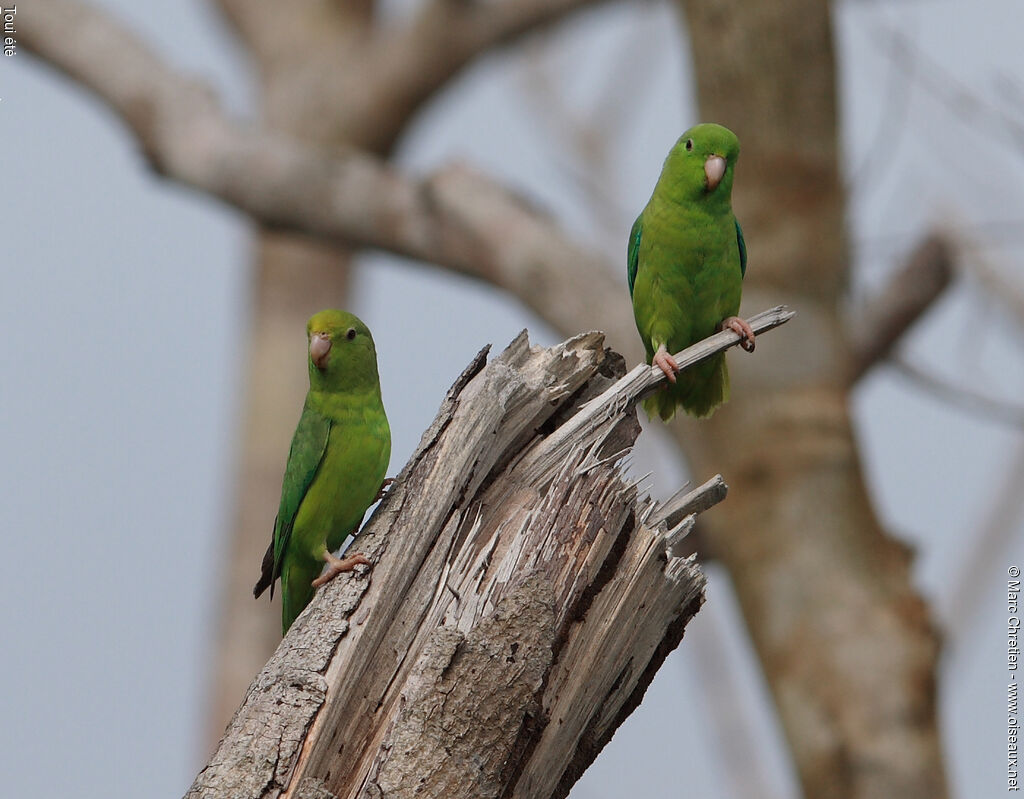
(351, 334)
(689, 144)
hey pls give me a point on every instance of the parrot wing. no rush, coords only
(308, 447)
(743, 249)
(633, 254)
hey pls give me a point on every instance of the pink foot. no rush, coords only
(742, 329)
(666, 363)
(336, 566)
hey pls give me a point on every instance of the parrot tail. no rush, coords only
(297, 576)
(698, 391)
(660, 404)
(267, 575)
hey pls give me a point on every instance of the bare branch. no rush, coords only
(685, 502)
(462, 30)
(982, 554)
(643, 379)
(273, 29)
(988, 408)
(455, 218)
(412, 63)
(906, 297)
(1007, 290)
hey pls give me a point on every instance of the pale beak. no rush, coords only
(714, 168)
(319, 347)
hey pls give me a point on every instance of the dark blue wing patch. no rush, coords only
(633, 254)
(743, 249)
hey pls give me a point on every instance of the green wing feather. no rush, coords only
(308, 447)
(633, 255)
(743, 249)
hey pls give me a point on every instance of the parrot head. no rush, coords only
(341, 352)
(700, 164)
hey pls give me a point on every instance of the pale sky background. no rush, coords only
(123, 309)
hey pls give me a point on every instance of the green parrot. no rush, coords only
(336, 465)
(686, 262)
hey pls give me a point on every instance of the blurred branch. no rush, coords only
(1007, 291)
(978, 113)
(981, 557)
(727, 698)
(987, 408)
(582, 141)
(275, 30)
(441, 38)
(414, 61)
(454, 218)
(907, 296)
(462, 30)
(975, 237)
(891, 126)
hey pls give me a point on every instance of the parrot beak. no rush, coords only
(319, 347)
(714, 169)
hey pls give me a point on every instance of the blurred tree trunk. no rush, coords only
(844, 638)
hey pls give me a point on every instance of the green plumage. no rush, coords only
(337, 462)
(686, 262)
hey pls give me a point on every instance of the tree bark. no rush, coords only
(844, 637)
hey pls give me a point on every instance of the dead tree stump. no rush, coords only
(521, 599)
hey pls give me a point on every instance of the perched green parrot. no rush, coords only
(686, 262)
(336, 465)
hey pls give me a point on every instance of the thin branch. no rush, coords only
(907, 296)
(982, 554)
(686, 501)
(726, 693)
(411, 63)
(890, 127)
(988, 408)
(642, 380)
(463, 30)
(1008, 291)
(954, 95)
(582, 141)
(272, 29)
(455, 218)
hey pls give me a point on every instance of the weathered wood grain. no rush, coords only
(522, 596)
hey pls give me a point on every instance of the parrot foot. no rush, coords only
(336, 566)
(742, 329)
(666, 363)
(383, 489)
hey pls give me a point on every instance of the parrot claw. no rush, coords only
(666, 363)
(383, 489)
(742, 329)
(336, 566)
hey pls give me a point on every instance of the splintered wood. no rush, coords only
(522, 596)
